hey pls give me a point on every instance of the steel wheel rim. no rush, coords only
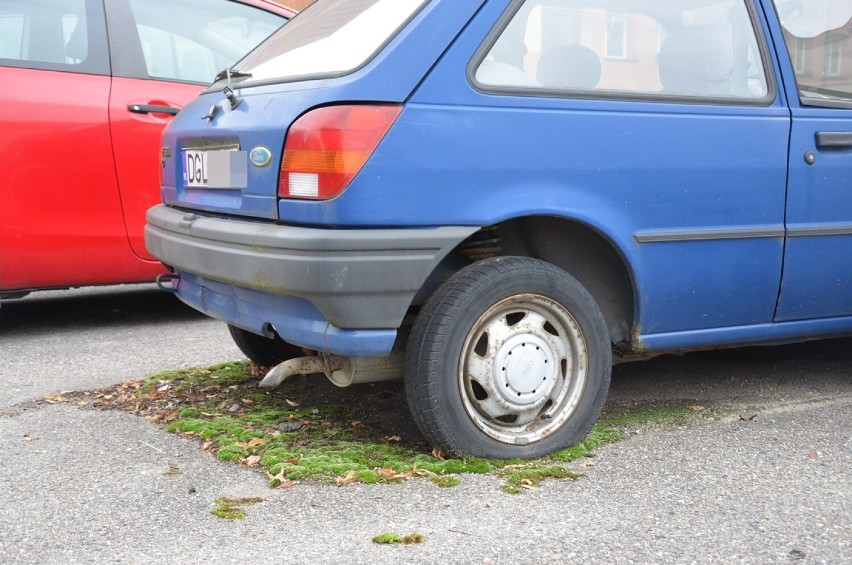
(523, 368)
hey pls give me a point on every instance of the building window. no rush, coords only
(616, 36)
(801, 55)
(833, 56)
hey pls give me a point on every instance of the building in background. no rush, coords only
(298, 4)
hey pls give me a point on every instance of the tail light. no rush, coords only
(327, 147)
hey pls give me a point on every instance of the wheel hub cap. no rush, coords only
(524, 370)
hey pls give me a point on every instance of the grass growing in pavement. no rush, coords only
(393, 537)
(231, 508)
(310, 430)
(661, 415)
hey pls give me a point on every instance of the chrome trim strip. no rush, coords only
(816, 231)
(707, 235)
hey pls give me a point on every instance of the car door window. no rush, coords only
(62, 35)
(192, 40)
(661, 48)
(818, 35)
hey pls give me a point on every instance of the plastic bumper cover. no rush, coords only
(334, 290)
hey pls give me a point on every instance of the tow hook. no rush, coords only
(170, 279)
(342, 371)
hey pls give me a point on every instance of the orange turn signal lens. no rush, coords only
(328, 146)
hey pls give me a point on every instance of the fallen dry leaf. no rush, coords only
(252, 460)
(291, 403)
(390, 439)
(348, 478)
(812, 455)
(437, 454)
(55, 398)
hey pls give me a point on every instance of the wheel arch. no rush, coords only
(577, 248)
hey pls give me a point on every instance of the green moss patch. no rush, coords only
(445, 481)
(232, 508)
(393, 537)
(520, 477)
(310, 430)
(657, 415)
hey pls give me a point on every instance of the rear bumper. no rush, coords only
(325, 289)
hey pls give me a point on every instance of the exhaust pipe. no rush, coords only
(342, 371)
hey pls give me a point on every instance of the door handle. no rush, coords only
(152, 109)
(834, 139)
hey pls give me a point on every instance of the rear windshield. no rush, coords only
(331, 37)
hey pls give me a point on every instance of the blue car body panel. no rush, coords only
(727, 234)
(295, 319)
(266, 112)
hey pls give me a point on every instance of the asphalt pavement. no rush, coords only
(768, 481)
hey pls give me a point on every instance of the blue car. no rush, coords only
(497, 199)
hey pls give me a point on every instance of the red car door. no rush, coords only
(164, 53)
(60, 218)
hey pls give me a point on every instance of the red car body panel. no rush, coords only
(79, 170)
(55, 141)
(136, 146)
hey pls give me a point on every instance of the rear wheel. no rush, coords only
(509, 358)
(264, 351)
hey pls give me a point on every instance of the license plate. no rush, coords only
(226, 169)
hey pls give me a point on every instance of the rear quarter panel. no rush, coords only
(631, 170)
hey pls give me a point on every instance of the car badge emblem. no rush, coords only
(260, 156)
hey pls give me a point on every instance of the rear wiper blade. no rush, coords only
(232, 73)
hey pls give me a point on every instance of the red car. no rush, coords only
(88, 86)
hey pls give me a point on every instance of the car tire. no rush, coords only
(509, 358)
(264, 351)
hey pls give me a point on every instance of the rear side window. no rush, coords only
(705, 50)
(192, 40)
(818, 35)
(60, 35)
(332, 38)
